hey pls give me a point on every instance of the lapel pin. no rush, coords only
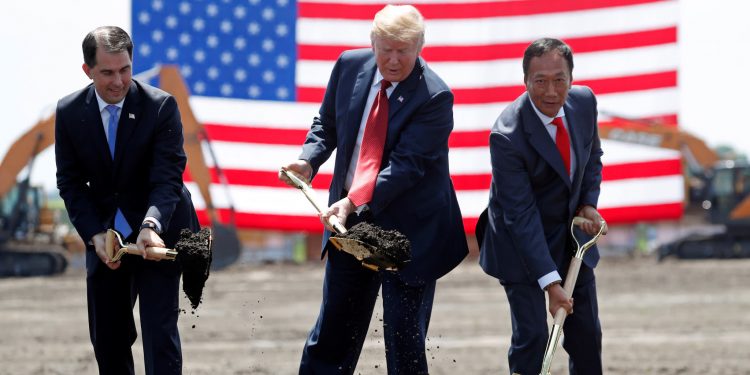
(400, 99)
(131, 116)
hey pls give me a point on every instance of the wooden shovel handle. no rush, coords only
(154, 252)
(568, 286)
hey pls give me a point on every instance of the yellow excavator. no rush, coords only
(718, 187)
(30, 242)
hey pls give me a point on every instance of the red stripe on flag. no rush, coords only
(245, 134)
(499, 94)
(656, 168)
(633, 214)
(433, 53)
(461, 10)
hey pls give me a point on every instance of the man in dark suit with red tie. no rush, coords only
(118, 147)
(546, 168)
(388, 116)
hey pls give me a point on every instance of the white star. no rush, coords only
(172, 53)
(253, 28)
(199, 24)
(157, 5)
(253, 59)
(239, 12)
(199, 87)
(184, 39)
(253, 2)
(144, 49)
(171, 22)
(144, 17)
(212, 72)
(212, 41)
(186, 71)
(240, 75)
(226, 58)
(184, 7)
(212, 10)
(282, 93)
(157, 36)
(282, 29)
(268, 45)
(199, 55)
(226, 89)
(282, 3)
(253, 91)
(267, 14)
(282, 61)
(240, 43)
(269, 76)
(226, 27)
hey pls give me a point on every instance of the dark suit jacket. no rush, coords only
(145, 177)
(532, 199)
(413, 192)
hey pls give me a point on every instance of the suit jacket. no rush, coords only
(145, 177)
(532, 198)
(413, 192)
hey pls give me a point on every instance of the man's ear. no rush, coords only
(87, 70)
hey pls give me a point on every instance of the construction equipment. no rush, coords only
(718, 188)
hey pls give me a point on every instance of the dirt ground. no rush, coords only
(673, 317)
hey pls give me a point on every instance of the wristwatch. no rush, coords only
(150, 225)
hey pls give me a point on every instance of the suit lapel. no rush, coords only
(540, 139)
(91, 123)
(357, 105)
(404, 92)
(129, 117)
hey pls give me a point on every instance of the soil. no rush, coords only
(391, 245)
(664, 318)
(194, 255)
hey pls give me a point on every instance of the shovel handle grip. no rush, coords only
(568, 286)
(155, 252)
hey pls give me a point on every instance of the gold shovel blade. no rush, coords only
(363, 252)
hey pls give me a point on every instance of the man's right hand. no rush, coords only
(99, 240)
(301, 168)
(557, 300)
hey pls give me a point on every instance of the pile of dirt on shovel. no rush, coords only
(194, 253)
(390, 244)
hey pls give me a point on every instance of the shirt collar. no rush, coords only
(546, 120)
(103, 104)
(379, 77)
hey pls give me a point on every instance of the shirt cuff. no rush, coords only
(549, 278)
(156, 222)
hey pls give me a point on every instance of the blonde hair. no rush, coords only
(402, 23)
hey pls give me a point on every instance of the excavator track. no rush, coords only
(25, 260)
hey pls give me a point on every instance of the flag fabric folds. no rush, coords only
(257, 71)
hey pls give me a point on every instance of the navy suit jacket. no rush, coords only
(413, 192)
(145, 177)
(532, 198)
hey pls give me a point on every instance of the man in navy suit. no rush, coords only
(546, 168)
(410, 190)
(119, 165)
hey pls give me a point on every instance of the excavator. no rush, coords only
(717, 187)
(32, 238)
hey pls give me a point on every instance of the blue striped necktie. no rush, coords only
(121, 225)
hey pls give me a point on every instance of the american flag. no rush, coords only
(257, 71)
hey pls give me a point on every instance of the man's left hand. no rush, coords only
(148, 238)
(340, 210)
(592, 228)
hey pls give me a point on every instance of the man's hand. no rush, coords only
(301, 168)
(597, 221)
(557, 300)
(340, 210)
(100, 240)
(148, 238)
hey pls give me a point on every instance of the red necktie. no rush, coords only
(371, 150)
(563, 142)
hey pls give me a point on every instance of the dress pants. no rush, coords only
(111, 298)
(582, 334)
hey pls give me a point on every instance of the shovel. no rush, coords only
(116, 248)
(570, 283)
(364, 252)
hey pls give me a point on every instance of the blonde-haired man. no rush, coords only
(389, 117)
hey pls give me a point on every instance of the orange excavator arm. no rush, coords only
(30, 144)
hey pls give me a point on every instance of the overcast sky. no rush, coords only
(42, 61)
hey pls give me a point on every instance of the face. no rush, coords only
(548, 81)
(395, 59)
(111, 75)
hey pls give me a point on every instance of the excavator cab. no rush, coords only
(729, 187)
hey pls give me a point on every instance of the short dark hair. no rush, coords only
(112, 38)
(541, 46)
